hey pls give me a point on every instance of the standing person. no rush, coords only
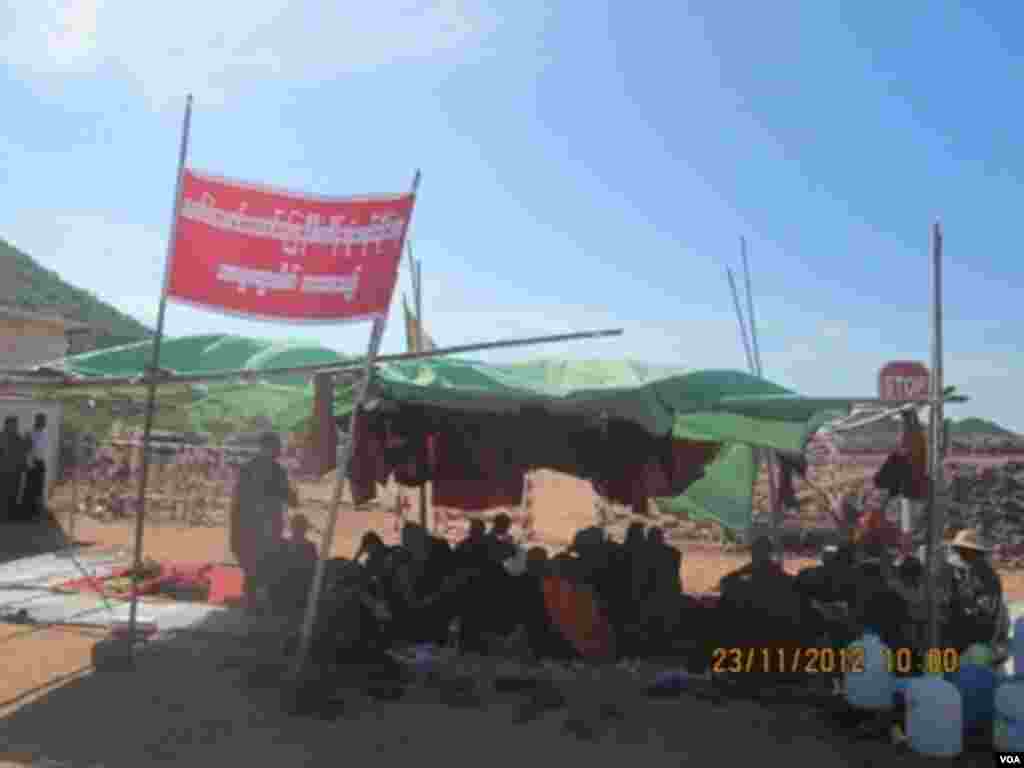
(12, 465)
(257, 516)
(33, 500)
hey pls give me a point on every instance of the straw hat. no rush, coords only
(969, 539)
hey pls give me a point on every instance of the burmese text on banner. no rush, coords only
(259, 252)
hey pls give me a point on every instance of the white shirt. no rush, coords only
(40, 444)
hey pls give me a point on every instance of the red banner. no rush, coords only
(259, 252)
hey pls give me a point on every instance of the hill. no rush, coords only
(27, 284)
(974, 426)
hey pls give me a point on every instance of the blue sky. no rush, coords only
(585, 165)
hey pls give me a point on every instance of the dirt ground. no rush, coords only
(190, 704)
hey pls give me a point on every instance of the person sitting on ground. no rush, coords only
(352, 626)
(976, 599)
(908, 583)
(666, 562)
(760, 606)
(423, 567)
(543, 637)
(595, 566)
(378, 556)
(762, 567)
(500, 545)
(296, 560)
(257, 516)
(830, 594)
(633, 569)
(885, 613)
(475, 546)
(297, 545)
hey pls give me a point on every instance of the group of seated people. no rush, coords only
(599, 599)
(603, 600)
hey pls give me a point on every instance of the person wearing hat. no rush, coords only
(976, 595)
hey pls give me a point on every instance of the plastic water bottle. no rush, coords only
(977, 685)
(1008, 728)
(934, 717)
(1017, 646)
(870, 688)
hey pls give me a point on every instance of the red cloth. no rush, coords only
(227, 584)
(873, 528)
(579, 618)
(219, 579)
(653, 479)
(324, 440)
(367, 467)
(472, 474)
(915, 446)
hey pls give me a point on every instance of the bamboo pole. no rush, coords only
(739, 318)
(327, 540)
(420, 346)
(140, 508)
(351, 369)
(773, 502)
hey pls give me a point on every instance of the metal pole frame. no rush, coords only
(935, 422)
(140, 507)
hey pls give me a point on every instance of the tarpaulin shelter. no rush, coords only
(736, 410)
(210, 406)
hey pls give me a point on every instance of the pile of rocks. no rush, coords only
(992, 500)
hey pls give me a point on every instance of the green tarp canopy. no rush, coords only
(733, 408)
(218, 407)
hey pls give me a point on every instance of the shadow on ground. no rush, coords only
(212, 697)
(18, 540)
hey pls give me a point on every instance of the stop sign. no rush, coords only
(903, 380)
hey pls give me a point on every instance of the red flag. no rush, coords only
(258, 252)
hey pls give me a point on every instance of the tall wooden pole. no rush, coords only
(773, 502)
(420, 345)
(153, 375)
(743, 326)
(348, 451)
(935, 514)
(327, 540)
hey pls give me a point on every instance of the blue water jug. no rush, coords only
(934, 717)
(870, 688)
(1017, 646)
(1008, 727)
(977, 686)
